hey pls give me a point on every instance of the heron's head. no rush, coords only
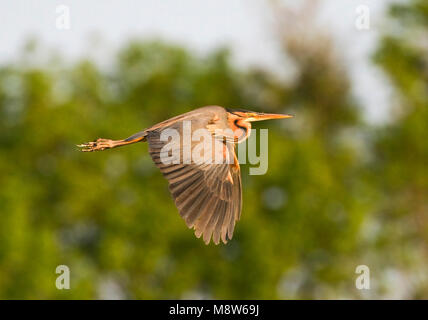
(240, 120)
(251, 116)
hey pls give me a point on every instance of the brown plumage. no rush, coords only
(208, 195)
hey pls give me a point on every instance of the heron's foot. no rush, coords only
(99, 145)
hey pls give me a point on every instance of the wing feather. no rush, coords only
(208, 196)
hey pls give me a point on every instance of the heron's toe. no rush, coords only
(98, 145)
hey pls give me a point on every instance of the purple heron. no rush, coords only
(207, 194)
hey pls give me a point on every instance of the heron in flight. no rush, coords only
(207, 194)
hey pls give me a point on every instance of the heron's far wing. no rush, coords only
(207, 195)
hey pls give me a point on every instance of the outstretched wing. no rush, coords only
(208, 195)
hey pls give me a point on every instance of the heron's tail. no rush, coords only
(139, 136)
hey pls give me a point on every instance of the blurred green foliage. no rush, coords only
(338, 192)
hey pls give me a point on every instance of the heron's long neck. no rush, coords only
(240, 127)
